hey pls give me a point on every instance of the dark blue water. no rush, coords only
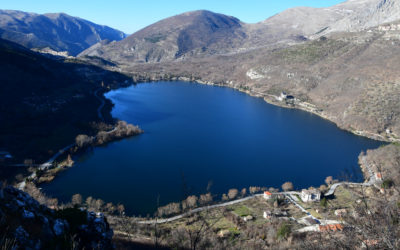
(196, 134)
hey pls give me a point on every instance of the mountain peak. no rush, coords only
(193, 32)
(197, 12)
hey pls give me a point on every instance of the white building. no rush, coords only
(267, 215)
(282, 97)
(310, 195)
(378, 176)
(267, 195)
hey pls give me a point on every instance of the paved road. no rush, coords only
(290, 198)
(49, 163)
(372, 180)
(196, 210)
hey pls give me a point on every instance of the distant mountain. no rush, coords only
(188, 34)
(59, 31)
(352, 15)
(203, 33)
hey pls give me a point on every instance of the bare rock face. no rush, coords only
(311, 23)
(56, 31)
(363, 14)
(29, 225)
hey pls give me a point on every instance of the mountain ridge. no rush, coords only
(292, 26)
(57, 31)
(176, 37)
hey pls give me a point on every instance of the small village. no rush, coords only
(327, 210)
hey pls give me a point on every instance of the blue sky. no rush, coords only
(132, 15)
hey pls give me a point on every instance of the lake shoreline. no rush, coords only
(48, 172)
(273, 100)
(221, 85)
(145, 77)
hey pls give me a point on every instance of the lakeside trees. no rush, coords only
(329, 180)
(171, 208)
(83, 141)
(232, 193)
(76, 199)
(287, 186)
(205, 199)
(121, 130)
(254, 190)
(190, 202)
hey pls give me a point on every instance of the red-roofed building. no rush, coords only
(267, 195)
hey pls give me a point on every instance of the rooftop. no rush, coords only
(310, 191)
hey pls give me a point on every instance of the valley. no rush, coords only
(206, 167)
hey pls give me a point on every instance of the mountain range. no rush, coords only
(57, 31)
(204, 33)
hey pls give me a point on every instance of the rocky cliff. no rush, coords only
(24, 223)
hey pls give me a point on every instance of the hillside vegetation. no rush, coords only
(45, 102)
(351, 78)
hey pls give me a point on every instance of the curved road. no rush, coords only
(196, 210)
(372, 180)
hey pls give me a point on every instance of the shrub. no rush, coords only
(387, 183)
(283, 231)
(323, 202)
(74, 216)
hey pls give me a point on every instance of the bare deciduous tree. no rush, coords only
(205, 199)
(76, 199)
(287, 186)
(83, 140)
(232, 193)
(190, 202)
(121, 209)
(243, 192)
(169, 209)
(329, 180)
(99, 204)
(254, 190)
(89, 201)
